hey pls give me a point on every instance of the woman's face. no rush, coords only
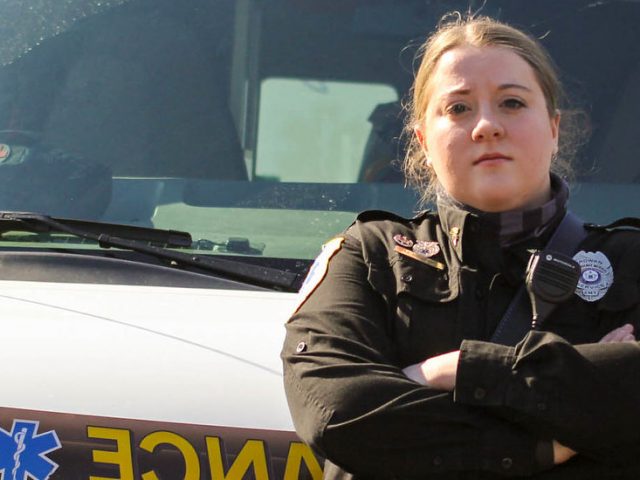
(487, 132)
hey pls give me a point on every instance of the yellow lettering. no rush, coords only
(252, 453)
(192, 464)
(299, 452)
(121, 457)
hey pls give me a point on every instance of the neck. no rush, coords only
(516, 225)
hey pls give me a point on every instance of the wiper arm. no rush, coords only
(134, 238)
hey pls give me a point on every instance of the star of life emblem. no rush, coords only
(596, 276)
(23, 452)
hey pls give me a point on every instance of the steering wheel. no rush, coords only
(22, 137)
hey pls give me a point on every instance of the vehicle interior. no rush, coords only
(223, 118)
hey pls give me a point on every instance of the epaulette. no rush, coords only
(369, 215)
(626, 223)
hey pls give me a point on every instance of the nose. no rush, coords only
(487, 127)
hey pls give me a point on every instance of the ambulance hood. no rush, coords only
(171, 354)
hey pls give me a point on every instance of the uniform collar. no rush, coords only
(469, 235)
(464, 225)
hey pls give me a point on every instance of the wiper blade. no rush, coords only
(38, 223)
(135, 239)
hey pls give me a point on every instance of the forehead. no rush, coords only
(469, 67)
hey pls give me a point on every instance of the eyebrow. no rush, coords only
(504, 86)
(507, 86)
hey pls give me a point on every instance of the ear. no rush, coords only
(421, 140)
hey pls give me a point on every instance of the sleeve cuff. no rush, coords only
(484, 373)
(511, 453)
(544, 454)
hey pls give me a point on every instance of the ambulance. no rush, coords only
(168, 171)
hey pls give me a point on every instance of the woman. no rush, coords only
(389, 367)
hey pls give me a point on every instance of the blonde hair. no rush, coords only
(455, 30)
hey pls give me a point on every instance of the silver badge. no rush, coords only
(428, 249)
(596, 276)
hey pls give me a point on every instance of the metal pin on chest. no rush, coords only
(428, 249)
(403, 241)
(454, 235)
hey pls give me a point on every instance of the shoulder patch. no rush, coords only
(373, 215)
(318, 270)
(627, 223)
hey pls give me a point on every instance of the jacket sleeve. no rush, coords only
(585, 396)
(350, 400)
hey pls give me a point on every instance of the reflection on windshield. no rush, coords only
(27, 24)
(233, 120)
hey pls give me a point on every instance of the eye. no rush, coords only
(457, 109)
(513, 103)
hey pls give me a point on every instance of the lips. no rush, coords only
(492, 158)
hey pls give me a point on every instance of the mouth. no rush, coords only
(494, 157)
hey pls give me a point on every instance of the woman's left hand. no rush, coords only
(624, 333)
(437, 372)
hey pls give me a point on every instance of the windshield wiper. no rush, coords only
(96, 231)
(140, 239)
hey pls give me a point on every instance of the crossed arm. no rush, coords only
(440, 373)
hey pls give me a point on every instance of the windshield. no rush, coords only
(261, 127)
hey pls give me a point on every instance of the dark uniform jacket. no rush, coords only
(378, 310)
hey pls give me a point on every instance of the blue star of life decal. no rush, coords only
(23, 452)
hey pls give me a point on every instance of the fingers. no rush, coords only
(561, 453)
(624, 333)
